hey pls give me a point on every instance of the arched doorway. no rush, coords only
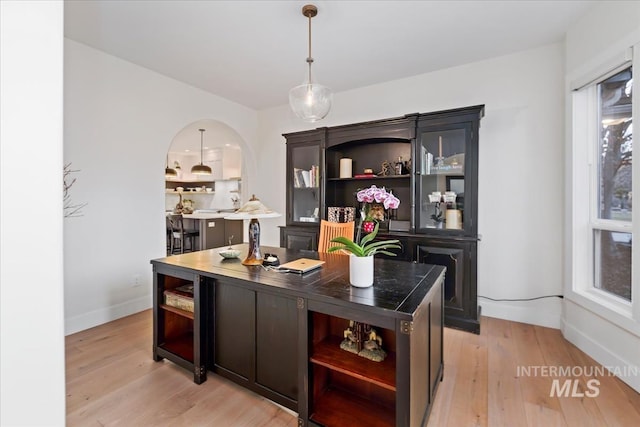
(222, 151)
(206, 198)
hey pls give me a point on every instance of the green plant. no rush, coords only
(366, 247)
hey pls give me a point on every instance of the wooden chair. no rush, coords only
(329, 230)
(179, 235)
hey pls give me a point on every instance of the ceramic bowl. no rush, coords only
(229, 253)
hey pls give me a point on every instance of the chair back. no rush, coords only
(174, 222)
(330, 230)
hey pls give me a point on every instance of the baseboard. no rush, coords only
(547, 312)
(99, 317)
(463, 323)
(627, 371)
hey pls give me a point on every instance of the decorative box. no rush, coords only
(341, 214)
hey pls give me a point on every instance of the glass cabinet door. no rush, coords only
(441, 185)
(304, 183)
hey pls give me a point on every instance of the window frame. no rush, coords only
(584, 218)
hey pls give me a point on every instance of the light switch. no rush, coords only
(211, 224)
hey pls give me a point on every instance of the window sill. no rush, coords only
(617, 312)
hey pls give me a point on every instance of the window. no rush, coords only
(601, 197)
(613, 196)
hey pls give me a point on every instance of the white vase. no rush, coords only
(361, 271)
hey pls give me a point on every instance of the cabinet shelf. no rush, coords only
(328, 353)
(335, 407)
(181, 345)
(179, 312)
(371, 178)
(202, 193)
(178, 181)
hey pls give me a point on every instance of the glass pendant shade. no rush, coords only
(201, 169)
(310, 101)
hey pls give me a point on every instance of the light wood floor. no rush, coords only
(113, 380)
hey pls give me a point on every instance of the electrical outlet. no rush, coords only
(136, 280)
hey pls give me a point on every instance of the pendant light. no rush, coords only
(310, 101)
(169, 172)
(201, 169)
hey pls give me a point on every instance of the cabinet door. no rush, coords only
(442, 182)
(303, 182)
(277, 344)
(299, 238)
(460, 287)
(233, 230)
(446, 172)
(234, 324)
(212, 233)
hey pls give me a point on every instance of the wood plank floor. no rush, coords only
(113, 380)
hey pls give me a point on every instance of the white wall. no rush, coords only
(608, 28)
(521, 166)
(119, 122)
(32, 381)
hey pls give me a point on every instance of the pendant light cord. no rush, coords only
(309, 58)
(201, 150)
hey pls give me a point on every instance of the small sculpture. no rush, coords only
(363, 340)
(385, 169)
(179, 207)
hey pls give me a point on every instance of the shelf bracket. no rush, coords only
(300, 303)
(406, 327)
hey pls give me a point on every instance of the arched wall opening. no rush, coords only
(224, 150)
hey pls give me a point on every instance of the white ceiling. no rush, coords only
(253, 52)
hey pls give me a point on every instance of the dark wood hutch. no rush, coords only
(441, 151)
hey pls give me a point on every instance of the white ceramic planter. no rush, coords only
(361, 271)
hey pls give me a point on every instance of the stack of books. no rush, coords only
(306, 178)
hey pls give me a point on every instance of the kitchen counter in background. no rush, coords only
(205, 215)
(215, 231)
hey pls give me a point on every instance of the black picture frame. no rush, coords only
(455, 184)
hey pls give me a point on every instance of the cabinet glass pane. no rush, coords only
(442, 167)
(306, 183)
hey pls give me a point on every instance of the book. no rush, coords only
(306, 178)
(298, 179)
(365, 175)
(188, 289)
(179, 299)
(313, 176)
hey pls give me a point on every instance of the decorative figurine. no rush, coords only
(179, 207)
(385, 169)
(363, 340)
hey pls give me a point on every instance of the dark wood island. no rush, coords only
(279, 334)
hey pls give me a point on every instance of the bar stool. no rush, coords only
(180, 236)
